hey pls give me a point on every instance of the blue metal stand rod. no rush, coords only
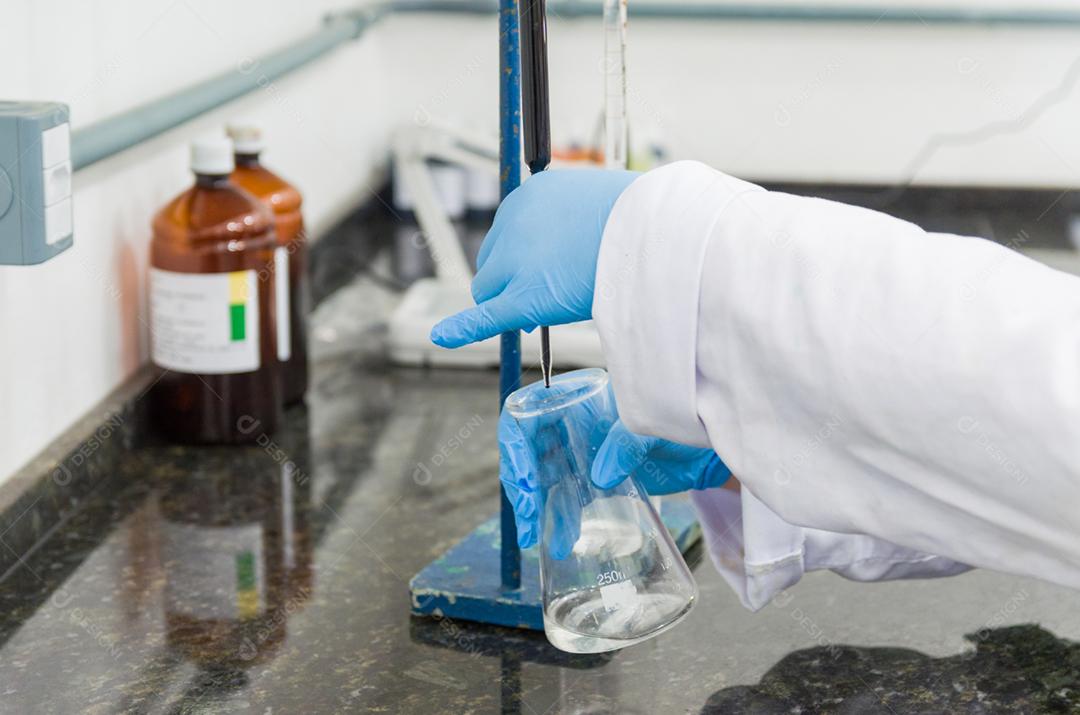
(509, 179)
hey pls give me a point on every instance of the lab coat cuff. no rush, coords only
(648, 280)
(760, 555)
(756, 552)
(866, 558)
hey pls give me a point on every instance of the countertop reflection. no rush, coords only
(274, 578)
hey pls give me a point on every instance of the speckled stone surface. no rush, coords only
(273, 579)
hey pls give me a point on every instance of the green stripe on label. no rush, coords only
(236, 322)
(245, 571)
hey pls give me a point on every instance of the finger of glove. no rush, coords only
(620, 455)
(515, 456)
(565, 514)
(498, 315)
(525, 513)
(487, 246)
(491, 278)
(516, 475)
(506, 208)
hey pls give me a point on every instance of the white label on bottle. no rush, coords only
(281, 298)
(617, 595)
(205, 323)
(214, 572)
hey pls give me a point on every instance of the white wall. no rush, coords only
(814, 102)
(763, 100)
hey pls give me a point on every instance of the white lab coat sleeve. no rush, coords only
(759, 554)
(859, 375)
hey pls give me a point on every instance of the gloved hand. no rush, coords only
(537, 453)
(519, 479)
(520, 476)
(537, 265)
(662, 467)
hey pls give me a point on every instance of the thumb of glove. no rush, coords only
(621, 453)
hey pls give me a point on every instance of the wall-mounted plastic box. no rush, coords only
(35, 181)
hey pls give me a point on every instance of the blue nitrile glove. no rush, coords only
(545, 437)
(537, 265)
(660, 466)
(519, 479)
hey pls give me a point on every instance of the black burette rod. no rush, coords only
(536, 115)
(535, 108)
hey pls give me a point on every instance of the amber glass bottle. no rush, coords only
(291, 255)
(212, 309)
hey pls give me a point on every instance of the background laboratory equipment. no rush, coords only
(290, 256)
(616, 138)
(610, 574)
(212, 308)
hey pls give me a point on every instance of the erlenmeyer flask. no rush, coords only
(610, 574)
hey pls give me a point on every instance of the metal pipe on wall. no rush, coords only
(115, 134)
(569, 9)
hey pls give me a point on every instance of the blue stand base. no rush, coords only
(464, 582)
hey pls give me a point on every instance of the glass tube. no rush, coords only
(615, 128)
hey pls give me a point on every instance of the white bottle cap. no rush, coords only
(212, 156)
(247, 137)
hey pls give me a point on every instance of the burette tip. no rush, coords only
(545, 355)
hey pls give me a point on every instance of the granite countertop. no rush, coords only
(273, 579)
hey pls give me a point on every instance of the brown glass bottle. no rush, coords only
(213, 314)
(284, 200)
